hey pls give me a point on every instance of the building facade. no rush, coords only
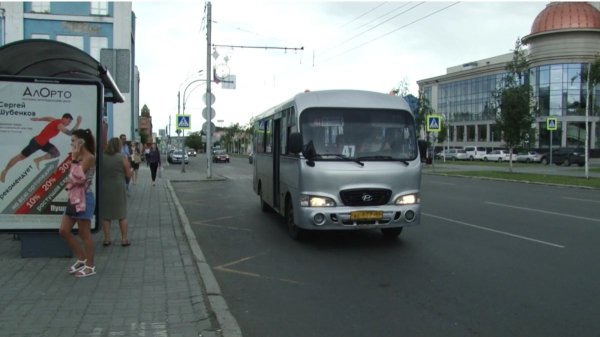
(564, 40)
(105, 30)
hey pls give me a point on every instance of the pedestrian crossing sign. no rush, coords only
(184, 122)
(552, 124)
(434, 123)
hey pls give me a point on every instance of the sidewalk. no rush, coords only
(158, 286)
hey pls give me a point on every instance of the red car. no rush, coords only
(220, 156)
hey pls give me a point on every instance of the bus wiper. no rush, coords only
(390, 158)
(342, 157)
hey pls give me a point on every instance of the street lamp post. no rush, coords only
(178, 112)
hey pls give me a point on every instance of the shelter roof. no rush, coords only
(49, 58)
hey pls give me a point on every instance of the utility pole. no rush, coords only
(208, 93)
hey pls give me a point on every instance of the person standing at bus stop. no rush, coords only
(113, 196)
(81, 202)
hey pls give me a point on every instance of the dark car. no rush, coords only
(568, 156)
(220, 156)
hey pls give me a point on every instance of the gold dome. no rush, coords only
(566, 15)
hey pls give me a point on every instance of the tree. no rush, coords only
(514, 114)
(194, 140)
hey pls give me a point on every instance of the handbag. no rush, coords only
(70, 209)
(159, 172)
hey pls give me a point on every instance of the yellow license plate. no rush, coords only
(366, 215)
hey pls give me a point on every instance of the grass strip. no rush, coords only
(530, 177)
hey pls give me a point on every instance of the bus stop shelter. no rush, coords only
(46, 59)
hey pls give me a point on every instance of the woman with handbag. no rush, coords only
(81, 202)
(154, 162)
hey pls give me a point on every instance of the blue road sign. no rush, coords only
(434, 123)
(552, 124)
(184, 122)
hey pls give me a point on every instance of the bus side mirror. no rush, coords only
(295, 143)
(423, 149)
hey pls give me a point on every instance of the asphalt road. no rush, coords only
(489, 259)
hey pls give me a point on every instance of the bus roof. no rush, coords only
(341, 99)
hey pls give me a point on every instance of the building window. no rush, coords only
(76, 41)
(99, 8)
(40, 36)
(40, 7)
(96, 44)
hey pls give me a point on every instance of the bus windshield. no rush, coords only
(361, 134)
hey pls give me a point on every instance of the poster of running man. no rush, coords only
(36, 120)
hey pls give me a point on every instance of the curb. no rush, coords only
(216, 301)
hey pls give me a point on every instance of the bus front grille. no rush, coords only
(365, 197)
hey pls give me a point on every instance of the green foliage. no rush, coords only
(515, 100)
(194, 140)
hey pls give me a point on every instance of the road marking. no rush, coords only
(495, 231)
(545, 212)
(224, 268)
(579, 199)
(200, 223)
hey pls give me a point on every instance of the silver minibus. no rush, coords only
(339, 160)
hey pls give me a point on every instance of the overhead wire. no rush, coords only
(392, 31)
(326, 51)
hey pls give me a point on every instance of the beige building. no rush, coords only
(564, 39)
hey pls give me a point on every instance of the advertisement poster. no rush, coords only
(35, 119)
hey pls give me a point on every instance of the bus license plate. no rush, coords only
(366, 215)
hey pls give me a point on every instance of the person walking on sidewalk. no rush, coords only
(154, 162)
(113, 195)
(126, 152)
(81, 202)
(136, 159)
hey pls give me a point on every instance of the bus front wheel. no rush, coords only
(294, 231)
(391, 232)
(263, 205)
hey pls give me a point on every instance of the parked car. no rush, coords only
(497, 155)
(452, 154)
(177, 157)
(475, 152)
(220, 156)
(568, 156)
(530, 157)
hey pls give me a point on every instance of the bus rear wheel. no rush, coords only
(391, 233)
(294, 231)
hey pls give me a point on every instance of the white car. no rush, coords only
(530, 157)
(475, 152)
(497, 155)
(453, 154)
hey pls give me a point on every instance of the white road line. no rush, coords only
(494, 231)
(579, 199)
(202, 223)
(545, 212)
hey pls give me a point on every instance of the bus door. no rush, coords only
(276, 159)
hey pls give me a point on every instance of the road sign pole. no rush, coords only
(550, 162)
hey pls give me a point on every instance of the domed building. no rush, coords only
(563, 41)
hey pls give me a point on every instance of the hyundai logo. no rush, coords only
(367, 197)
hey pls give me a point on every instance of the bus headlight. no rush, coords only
(316, 201)
(408, 199)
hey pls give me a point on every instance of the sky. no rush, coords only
(307, 45)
